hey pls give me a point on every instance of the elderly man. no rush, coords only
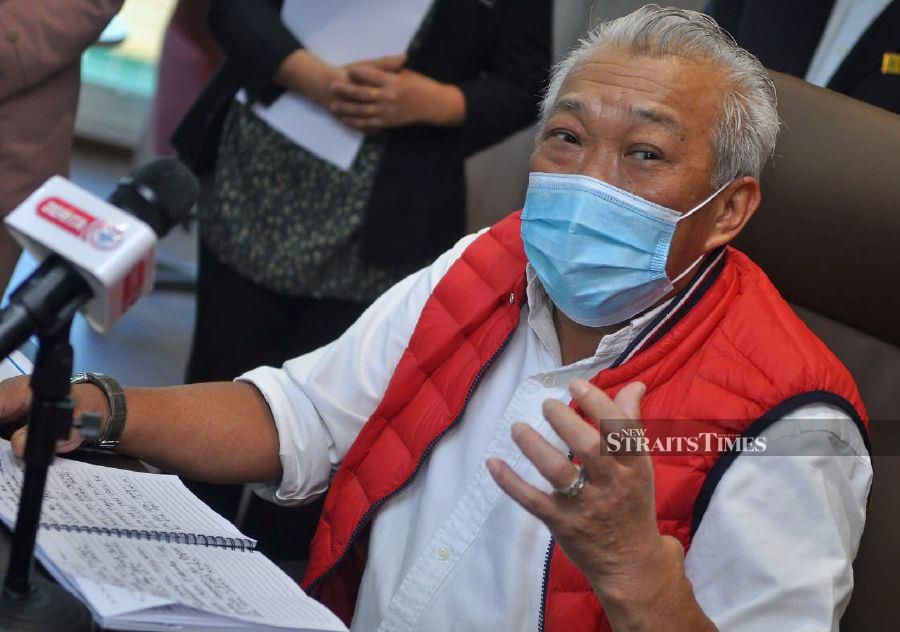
(438, 423)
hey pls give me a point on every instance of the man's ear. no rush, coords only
(737, 205)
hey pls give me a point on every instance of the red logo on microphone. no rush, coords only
(97, 232)
(65, 216)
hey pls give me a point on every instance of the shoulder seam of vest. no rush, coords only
(767, 419)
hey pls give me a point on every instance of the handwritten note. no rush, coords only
(239, 585)
(83, 495)
(111, 538)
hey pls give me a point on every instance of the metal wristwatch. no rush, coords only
(111, 431)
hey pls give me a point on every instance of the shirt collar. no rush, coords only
(540, 319)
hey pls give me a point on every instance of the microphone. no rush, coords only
(97, 256)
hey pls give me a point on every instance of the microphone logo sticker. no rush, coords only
(83, 225)
(104, 236)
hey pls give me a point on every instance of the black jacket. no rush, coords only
(496, 51)
(784, 35)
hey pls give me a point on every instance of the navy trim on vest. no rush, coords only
(757, 427)
(677, 308)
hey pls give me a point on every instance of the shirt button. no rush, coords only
(549, 381)
(443, 553)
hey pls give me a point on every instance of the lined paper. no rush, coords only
(241, 585)
(84, 495)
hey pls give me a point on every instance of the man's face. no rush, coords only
(642, 124)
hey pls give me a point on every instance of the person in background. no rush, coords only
(292, 248)
(41, 42)
(189, 58)
(849, 46)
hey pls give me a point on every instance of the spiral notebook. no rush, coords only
(144, 553)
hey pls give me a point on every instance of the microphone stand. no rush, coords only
(31, 604)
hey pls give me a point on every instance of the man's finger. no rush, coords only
(533, 500)
(18, 440)
(15, 398)
(550, 462)
(598, 406)
(585, 441)
(629, 399)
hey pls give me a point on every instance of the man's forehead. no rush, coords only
(672, 92)
(651, 113)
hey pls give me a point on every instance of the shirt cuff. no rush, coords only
(303, 442)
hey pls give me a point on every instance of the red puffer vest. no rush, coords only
(728, 353)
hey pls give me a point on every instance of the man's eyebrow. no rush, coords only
(654, 116)
(649, 115)
(568, 104)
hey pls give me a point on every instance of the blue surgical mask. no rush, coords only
(600, 252)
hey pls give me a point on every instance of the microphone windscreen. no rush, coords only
(161, 193)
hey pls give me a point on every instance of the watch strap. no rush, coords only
(111, 432)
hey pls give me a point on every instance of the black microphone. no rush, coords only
(95, 257)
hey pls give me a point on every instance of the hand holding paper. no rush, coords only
(373, 98)
(338, 33)
(311, 76)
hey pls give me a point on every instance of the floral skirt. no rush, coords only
(288, 220)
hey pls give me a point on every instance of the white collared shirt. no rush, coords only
(848, 21)
(452, 552)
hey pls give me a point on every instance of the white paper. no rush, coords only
(14, 365)
(112, 601)
(85, 495)
(141, 584)
(340, 32)
(241, 585)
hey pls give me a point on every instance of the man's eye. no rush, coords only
(645, 154)
(564, 136)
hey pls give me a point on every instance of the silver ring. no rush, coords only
(572, 490)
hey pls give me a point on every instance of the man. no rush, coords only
(446, 511)
(849, 46)
(41, 42)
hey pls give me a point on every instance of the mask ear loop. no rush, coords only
(688, 269)
(704, 202)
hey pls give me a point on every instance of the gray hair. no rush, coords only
(744, 137)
